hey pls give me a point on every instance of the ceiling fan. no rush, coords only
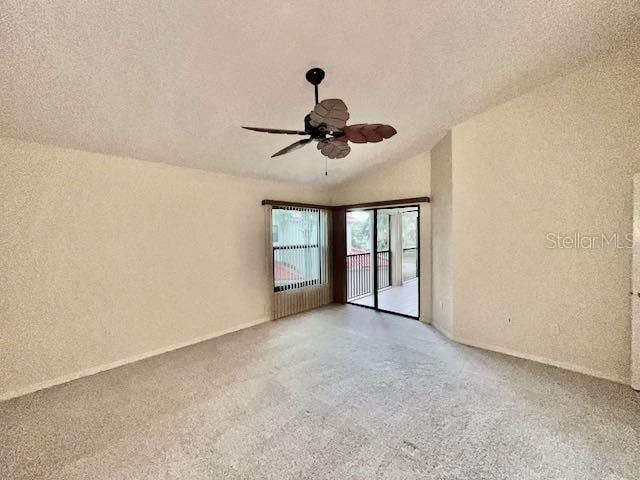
(327, 125)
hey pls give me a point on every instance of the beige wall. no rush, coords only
(559, 159)
(404, 179)
(441, 239)
(104, 259)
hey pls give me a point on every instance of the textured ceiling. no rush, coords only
(173, 81)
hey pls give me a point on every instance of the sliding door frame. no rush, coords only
(374, 255)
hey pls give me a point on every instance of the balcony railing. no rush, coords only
(384, 269)
(358, 275)
(359, 268)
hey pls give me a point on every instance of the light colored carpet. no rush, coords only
(339, 393)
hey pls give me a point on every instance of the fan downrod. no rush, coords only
(314, 77)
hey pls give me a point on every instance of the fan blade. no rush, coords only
(368, 132)
(332, 112)
(276, 130)
(292, 147)
(334, 148)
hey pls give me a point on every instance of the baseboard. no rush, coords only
(125, 361)
(534, 358)
(442, 330)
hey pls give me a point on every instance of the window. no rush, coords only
(296, 234)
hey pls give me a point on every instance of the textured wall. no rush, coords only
(559, 159)
(441, 236)
(403, 179)
(105, 258)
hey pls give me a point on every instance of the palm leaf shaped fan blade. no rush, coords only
(331, 113)
(292, 147)
(334, 148)
(276, 130)
(368, 132)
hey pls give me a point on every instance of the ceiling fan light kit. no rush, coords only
(327, 125)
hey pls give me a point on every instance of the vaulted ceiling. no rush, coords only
(173, 81)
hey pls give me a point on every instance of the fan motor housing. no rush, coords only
(315, 132)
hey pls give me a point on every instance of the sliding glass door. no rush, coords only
(359, 258)
(383, 259)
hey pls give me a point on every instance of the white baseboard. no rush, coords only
(535, 358)
(118, 363)
(442, 330)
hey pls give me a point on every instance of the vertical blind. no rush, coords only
(298, 251)
(296, 247)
